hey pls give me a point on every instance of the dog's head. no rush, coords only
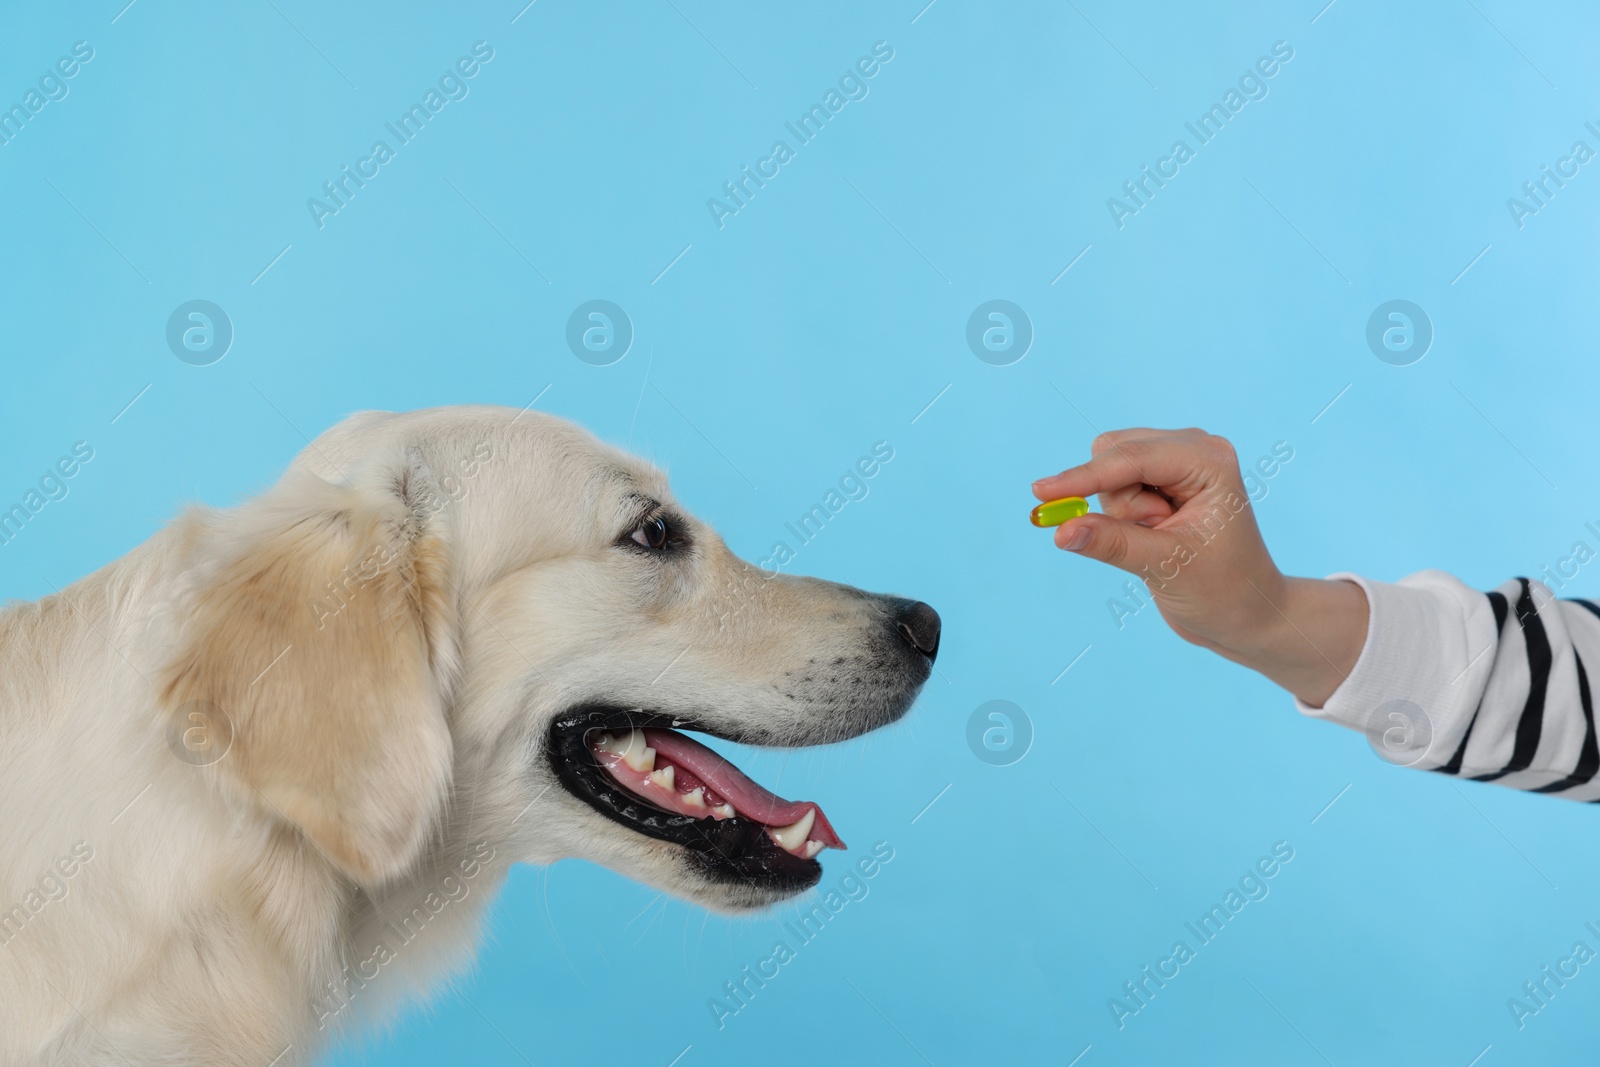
(472, 607)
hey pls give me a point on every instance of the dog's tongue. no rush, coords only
(747, 797)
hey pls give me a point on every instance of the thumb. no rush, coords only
(1122, 544)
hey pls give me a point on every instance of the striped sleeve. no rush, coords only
(1491, 687)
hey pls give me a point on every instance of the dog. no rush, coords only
(261, 774)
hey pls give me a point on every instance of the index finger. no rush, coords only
(1176, 464)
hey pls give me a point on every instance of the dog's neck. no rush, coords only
(232, 941)
(400, 941)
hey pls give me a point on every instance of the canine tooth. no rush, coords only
(793, 836)
(724, 811)
(812, 848)
(695, 798)
(664, 777)
(635, 753)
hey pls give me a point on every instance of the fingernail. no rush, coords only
(1077, 540)
(1037, 484)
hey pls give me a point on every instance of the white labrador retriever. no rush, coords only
(260, 775)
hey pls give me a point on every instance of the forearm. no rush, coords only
(1311, 634)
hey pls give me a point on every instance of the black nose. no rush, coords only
(919, 624)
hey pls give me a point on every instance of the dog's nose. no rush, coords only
(919, 624)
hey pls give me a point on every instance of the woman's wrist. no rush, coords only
(1309, 639)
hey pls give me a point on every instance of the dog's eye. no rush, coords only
(653, 533)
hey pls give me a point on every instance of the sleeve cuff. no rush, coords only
(1429, 639)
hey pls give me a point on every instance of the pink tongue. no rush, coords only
(747, 797)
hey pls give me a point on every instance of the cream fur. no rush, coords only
(382, 640)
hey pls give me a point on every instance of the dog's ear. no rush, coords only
(318, 648)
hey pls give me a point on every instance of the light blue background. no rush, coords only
(826, 316)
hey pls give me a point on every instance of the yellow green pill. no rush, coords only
(1056, 512)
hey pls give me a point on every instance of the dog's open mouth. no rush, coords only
(636, 769)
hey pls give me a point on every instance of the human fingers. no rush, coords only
(1178, 463)
(1121, 544)
(1136, 503)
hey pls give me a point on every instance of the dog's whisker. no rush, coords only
(698, 941)
(652, 922)
(550, 923)
(648, 905)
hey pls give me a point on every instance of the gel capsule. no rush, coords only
(1056, 512)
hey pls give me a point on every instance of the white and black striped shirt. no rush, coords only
(1501, 678)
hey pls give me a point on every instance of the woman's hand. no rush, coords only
(1175, 512)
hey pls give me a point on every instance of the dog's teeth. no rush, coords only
(724, 811)
(695, 798)
(664, 777)
(635, 753)
(793, 836)
(812, 848)
(606, 743)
